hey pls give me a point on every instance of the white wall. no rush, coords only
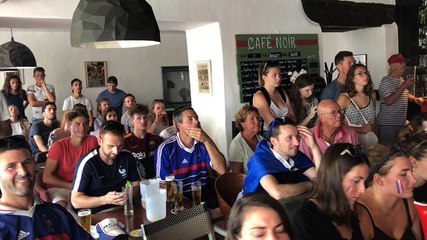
(137, 69)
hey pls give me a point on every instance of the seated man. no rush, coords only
(330, 128)
(100, 174)
(140, 143)
(190, 155)
(282, 171)
(39, 132)
(64, 154)
(129, 102)
(23, 216)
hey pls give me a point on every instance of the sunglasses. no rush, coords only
(279, 121)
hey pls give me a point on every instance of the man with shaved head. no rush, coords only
(330, 128)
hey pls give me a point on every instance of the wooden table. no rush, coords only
(139, 215)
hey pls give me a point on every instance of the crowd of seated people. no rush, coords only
(300, 155)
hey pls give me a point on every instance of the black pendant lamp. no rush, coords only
(114, 24)
(16, 55)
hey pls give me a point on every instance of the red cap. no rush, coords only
(396, 58)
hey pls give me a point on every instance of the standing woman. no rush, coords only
(157, 118)
(303, 101)
(358, 100)
(243, 145)
(269, 79)
(330, 213)
(12, 90)
(386, 210)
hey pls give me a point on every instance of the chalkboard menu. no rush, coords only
(294, 52)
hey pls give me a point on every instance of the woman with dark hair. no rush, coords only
(330, 213)
(12, 90)
(358, 101)
(416, 146)
(386, 210)
(258, 216)
(157, 118)
(271, 101)
(303, 101)
(418, 124)
(243, 145)
(19, 125)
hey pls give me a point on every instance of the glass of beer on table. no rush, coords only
(179, 197)
(170, 179)
(196, 192)
(84, 218)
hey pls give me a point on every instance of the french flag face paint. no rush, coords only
(399, 186)
(349, 189)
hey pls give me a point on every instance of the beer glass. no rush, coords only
(196, 193)
(169, 187)
(128, 207)
(84, 218)
(179, 197)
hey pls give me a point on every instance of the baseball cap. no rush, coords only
(112, 79)
(396, 58)
(109, 229)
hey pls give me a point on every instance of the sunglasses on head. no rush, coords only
(278, 121)
(13, 142)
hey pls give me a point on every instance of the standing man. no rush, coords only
(22, 215)
(141, 143)
(282, 171)
(100, 174)
(5, 125)
(114, 95)
(394, 97)
(343, 61)
(39, 132)
(330, 128)
(40, 93)
(64, 154)
(190, 155)
(77, 97)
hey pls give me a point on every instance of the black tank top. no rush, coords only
(380, 235)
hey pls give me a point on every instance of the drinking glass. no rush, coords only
(84, 218)
(169, 187)
(179, 197)
(196, 192)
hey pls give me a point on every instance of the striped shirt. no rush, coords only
(394, 114)
(187, 164)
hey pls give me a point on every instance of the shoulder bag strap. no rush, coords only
(364, 119)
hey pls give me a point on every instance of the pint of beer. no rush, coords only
(169, 187)
(179, 196)
(196, 192)
(84, 218)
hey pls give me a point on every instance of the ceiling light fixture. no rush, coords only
(16, 55)
(114, 24)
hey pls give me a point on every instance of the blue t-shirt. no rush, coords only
(115, 99)
(332, 91)
(43, 221)
(18, 102)
(187, 164)
(41, 130)
(95, 178)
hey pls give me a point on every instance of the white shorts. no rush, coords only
(59, 194)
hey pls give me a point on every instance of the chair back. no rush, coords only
(422, 213)
(228, 186)
(189, 224)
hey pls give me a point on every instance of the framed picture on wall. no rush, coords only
(361, 59)
(204, 76)
(9, 72)
(95, 73)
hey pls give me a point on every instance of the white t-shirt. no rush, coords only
(39, 95)
(71, 101)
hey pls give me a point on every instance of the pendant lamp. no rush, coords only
(16, 55)
(114, 24)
